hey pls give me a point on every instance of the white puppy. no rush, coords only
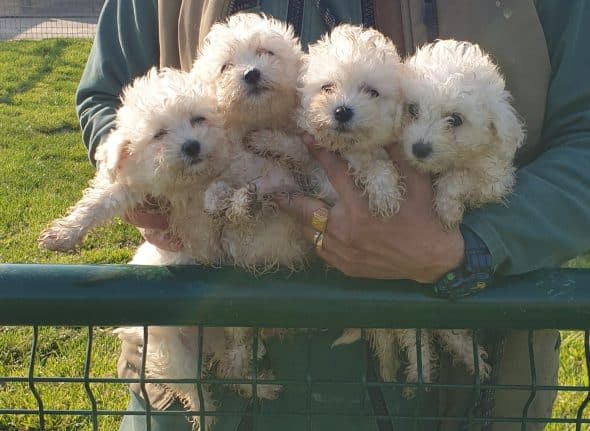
(168, 143)
(352, 103)
(460, 127)
(253, 61)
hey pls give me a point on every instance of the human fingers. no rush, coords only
(300, 207)
(152, 213)
(148, 220)
(162, 239)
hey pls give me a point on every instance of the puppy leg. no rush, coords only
(217, 199)
(407, 340)
(234, 205)
(383, 342)
(244, 204)
(236, 361)
(168, 357)
(459, 344)
(100, 203)
(278, 145)
(379, 178)
(451, 192)
(349, 336)
(490, 182)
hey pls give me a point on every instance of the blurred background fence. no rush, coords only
(43, 19)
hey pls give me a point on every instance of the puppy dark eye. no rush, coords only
(413, 110)
(455, 120)
(370, 91)
(261, 51)
(197, 120)
(328, 88)
(161, 133)
(225, 67)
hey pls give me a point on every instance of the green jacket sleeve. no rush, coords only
(547, 219)
(125, 46)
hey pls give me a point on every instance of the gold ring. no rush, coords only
(318, 240)
(319, 219)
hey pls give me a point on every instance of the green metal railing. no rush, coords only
(123, 295)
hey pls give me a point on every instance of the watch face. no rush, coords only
(460, 283)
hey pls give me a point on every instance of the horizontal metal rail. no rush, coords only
(142, 295)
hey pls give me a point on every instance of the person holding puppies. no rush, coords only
(540, 48)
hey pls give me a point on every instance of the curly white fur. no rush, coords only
(253, 61)
(460, 126)
(351, 103)
(162, 114)
(254, 235)
(169, 143)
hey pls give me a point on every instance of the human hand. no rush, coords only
(152, 221)
(411, 244)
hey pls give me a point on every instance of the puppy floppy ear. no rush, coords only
(507, 125)
(112, 153)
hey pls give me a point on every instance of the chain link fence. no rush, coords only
(42, 19)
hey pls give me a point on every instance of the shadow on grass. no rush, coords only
(51, 54)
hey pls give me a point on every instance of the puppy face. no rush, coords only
(350, 92)
(254, 63)
(168, 131)
(457, 109)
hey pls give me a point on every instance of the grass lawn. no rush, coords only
(43, 169)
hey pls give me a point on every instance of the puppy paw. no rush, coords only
(58, 239)
(244, 203)
(259, 142)
(409, 393)
(485, 368)
(349, 336)
(275, 145)
(217, 199)
(263, 391)
(450, 211)
(383, 188)
(386, 204)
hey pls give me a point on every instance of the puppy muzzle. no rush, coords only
(191, 150)
(422, 150)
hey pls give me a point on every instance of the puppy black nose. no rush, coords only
(343, 114)
(252, 76)
(422, 149)
(191, 148)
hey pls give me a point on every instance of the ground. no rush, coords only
(43, 168)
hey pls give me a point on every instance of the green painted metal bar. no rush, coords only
(136, 295)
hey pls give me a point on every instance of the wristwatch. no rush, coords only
(474, 275)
